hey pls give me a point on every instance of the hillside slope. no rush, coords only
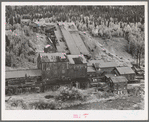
(22, 47)
(113, 49)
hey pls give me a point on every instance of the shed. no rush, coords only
(125, 71)
(106, 67)
(118, 84)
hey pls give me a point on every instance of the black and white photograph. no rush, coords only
(60, 57)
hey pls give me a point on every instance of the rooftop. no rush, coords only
(79, 43)
(91, 62)
(117, 79)
(76, 59)
(105, 64)
(21, 73)
(70, 42)
(53, 57)
(125, 70)
(73, 39)
(90, 69)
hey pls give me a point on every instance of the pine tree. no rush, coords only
(11, 21)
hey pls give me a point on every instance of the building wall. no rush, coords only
(77, 70)
(55, 70)
(130, 77)
(119, 88)
(61, 69)
(106, 70)
(91, 74)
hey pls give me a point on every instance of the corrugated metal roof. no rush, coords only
(118, 79)
(71, 61)
(70, 42)
(21, 73)
(53, 57)
(73, 36)
(125, 70)
(79, 43)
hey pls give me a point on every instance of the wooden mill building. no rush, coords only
(53, 65)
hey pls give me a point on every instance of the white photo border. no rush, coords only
(68, 114)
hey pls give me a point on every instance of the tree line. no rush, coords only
(121, 13)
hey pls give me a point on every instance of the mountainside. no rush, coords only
(22, 46)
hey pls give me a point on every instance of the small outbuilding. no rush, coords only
(125, 71)
(118, 84)
(106, 67)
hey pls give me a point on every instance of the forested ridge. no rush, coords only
(21, 41)
(122, 13)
